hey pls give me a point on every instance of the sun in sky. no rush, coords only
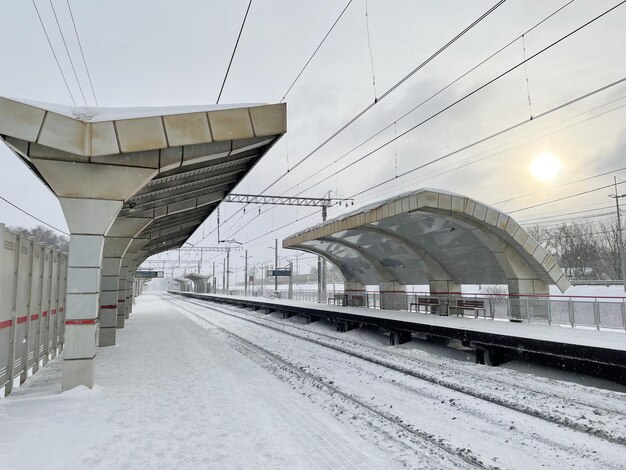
(545, 166)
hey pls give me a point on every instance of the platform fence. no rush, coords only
(593, 312)
(33, 281)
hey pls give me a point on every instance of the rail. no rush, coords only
(582, 311)
(33, 280)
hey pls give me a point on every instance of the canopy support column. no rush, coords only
(520, 306)
(393, 296)
(89, 220)
(446, 290)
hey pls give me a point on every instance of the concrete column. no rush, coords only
(121, 294)
(521, 306)
(116, 243)
(355, 294)
(89, 220)
(447, 290)
(393, 296)
(109, 285)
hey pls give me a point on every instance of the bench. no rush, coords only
(355, 301)
(470, 304)
(346, 300)
(427, 302)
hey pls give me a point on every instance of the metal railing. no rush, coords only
(32, 306)
(599, 312)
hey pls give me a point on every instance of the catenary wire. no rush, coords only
(388, 92)
(441, 90)
(484, 85)
(315, 51)
(56, 59)
(82, 53)
(384, 95)
(243, 23)
(34, 217)
(526, 121)
(69, 56)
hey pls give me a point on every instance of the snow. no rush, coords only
(172, 395)
(375, 205)
(93, 114)
(192, 384)
(499, 417)
(613, 339)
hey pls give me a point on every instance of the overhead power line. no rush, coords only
(34, 217)
(388, 92)
(441, 90)
(56, 59)
(243, 23)
(82, 53)
(315, 51)
(384, 95)
(56, 18)
(563, 105)
(473, 92)
(562, 198)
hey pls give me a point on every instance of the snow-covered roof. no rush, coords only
(431, 235)
(100, 114)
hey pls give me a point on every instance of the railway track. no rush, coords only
(390, 362)
(356, 350)
(399, 429)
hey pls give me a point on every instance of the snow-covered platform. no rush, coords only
(601, 353)
(173, 395)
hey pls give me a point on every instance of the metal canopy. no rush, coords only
(431, 235)
(195, 154)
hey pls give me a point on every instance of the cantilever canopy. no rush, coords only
(171, 165)
(431, 235)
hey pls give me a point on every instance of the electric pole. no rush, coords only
(275, 267)
(245, 283)
(620, 238)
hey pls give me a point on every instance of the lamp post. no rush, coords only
(620, 239)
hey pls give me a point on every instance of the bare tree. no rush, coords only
(45, 236)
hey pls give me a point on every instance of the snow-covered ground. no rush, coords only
(197, 385)
(171, 395)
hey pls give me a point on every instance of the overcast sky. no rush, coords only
(158, 52)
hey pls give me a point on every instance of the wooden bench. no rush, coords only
(470, 304)
(341, 298)
(427, 302)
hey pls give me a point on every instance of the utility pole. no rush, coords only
(321, 270)
(275, 267)
(228, 272)
(620, 238)
(290, 291)
(224, 278)
(214, 280)
(245, 281)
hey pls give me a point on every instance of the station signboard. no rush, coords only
(149, 274)
(278, 272)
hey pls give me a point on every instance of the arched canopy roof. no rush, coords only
(430, 235)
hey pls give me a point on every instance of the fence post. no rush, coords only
(8, 388)
(31, 259)
(624, 314)
(596, 313)
(527, 310)
(570, 311)
(549, 310)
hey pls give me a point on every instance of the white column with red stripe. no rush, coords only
(89, 220)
